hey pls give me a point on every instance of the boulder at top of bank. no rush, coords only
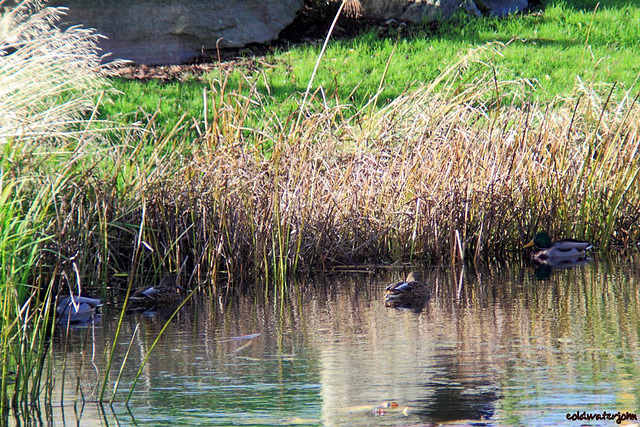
(172, 32)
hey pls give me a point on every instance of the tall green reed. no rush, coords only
(19, 340)
(49, 81)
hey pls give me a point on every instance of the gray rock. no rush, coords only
(416, 11)
(174, 31)
(501, 8)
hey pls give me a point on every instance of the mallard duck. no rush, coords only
(566, 248)
(412, 291)
(76, 309)
(164, 292)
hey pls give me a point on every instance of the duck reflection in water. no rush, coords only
(544, 268)
(453, 388)
(413, 293)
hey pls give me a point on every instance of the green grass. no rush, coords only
(555, 48)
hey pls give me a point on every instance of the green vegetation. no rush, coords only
(48, 85)
(558, 47)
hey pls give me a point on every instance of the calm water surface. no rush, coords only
(491, 347)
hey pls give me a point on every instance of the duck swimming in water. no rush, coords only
(165, 292)
(412, 291)
(76, 309)
(566, 248)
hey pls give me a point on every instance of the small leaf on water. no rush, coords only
(245, 337)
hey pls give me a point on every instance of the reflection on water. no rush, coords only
(492, 345)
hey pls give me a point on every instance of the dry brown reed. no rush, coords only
(468, 168)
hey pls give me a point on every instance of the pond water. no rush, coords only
(492, 346)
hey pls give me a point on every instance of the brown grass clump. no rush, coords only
(468, 171)
(465, 167)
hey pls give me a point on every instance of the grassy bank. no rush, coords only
(469, 166)
(462, 150)
(556, 47)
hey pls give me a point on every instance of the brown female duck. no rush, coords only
(409, 292)
(165, 292)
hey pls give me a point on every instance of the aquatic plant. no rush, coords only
(469, 170)
(468, 165)
(49, 80)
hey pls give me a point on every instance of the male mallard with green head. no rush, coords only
(165, 292)
(412, 291)
(566, 248)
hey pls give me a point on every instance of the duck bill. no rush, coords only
(528, 245)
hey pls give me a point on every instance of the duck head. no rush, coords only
(540, 240)
(169, 282)
(414, 276)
